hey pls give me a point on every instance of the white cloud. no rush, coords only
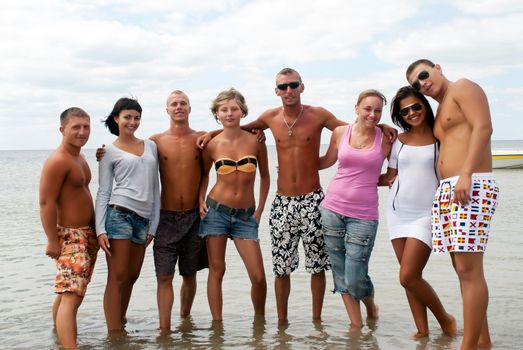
(60, 53)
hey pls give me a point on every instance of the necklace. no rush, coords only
(294, 122)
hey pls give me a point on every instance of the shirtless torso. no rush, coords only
(180, 168)
(454, 129)
(298, 154)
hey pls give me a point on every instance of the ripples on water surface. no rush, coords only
(27, 274)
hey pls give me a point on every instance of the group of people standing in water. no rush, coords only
(442, 198)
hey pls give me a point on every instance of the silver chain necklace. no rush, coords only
(294, 122)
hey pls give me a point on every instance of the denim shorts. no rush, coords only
(349, 245)
(126, 225)
(216, 223)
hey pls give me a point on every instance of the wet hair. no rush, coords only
(120, 105)
(371, 92)
(414, 64)
(288, 71)
(177, 92)
(227, 95)
(72, 112)
(395, 114)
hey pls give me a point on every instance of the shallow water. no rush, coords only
(26, 284)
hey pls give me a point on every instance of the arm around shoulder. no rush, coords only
(331, 156)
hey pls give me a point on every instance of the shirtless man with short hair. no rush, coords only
(467, 196)
(177, 235)
(295, 211)
(67, 215)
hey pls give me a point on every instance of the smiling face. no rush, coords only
(289, 87)
(128, 121)
(178, 107)
(76, 131)
(369, 111)
(413, 111)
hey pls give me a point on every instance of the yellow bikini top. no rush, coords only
(245, 164)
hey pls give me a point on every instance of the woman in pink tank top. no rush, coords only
(350, 208)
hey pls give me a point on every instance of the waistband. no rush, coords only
(302, 196)
(82, 228)
(241, 213)
(179, 212)
(475, 176)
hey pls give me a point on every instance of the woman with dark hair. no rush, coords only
(412, 172)
(127, 207)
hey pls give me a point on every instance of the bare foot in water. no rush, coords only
(355, 329)
(451, 328)
(420, 335)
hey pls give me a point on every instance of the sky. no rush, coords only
(88, 53)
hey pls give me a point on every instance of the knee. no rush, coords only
(466, 272)
(217, 270)
(408, 278)
(166, 280)
(259, 281)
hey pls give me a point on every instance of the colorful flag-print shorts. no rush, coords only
(463, 228)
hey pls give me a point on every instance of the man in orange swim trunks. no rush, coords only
(67, 214)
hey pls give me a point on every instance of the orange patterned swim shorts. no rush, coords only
(76, 262)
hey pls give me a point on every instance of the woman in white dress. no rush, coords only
(412, 172)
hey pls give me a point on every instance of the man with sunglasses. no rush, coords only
(467, 196)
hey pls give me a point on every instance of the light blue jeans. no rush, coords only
(349, 245)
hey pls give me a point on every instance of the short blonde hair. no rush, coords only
(227, 95)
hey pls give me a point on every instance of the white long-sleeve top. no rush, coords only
(130, 181)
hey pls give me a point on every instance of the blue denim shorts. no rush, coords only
(349, 245)
(126, 225)
(216, 223)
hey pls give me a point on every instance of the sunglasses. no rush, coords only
(293, 85)
(423, 75)
(416, 107)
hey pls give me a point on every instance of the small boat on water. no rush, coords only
(507, 159)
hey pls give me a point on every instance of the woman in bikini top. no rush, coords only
(231, 202)
(245, 164)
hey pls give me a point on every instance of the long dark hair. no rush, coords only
(120, 105)
(395, 114)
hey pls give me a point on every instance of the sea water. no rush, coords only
(26, 285)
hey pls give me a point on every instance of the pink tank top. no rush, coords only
(353, 191)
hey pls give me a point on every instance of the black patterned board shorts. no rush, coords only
(293, 218)
(177, 240)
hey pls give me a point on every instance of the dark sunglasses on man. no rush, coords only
(423, 75)
(293, 85)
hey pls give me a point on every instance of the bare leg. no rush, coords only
(318, 284)
(165, 299)
(216, 246)
(56, 305)
(66, 319)
(135, 266)
(187, 293)
(251, 255)
(117, 276)
(354, 311)
(414, 257)
(371, 307)
(282, 289)
(469, 267)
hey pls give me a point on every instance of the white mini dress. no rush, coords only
(410, 198)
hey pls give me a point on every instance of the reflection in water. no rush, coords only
(216, 335)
